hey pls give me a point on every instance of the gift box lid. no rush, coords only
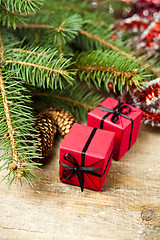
(100, 145)
(111, 103)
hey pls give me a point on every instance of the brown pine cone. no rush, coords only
(63, 119)
(46, 128)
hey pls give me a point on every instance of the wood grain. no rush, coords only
(127, 208)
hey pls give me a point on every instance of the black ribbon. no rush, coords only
(78, 170)
(121, 111)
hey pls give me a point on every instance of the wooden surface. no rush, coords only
(127, 208)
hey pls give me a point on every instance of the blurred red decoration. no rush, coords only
(142, 21)
(148, 100)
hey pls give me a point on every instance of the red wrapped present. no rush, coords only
(85, 156)
(120, 118)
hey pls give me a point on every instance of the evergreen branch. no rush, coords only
(74, 102)
(77, 99)
(66, 27)
(8, 10)
(13, 13)
(38, 26)
(59, 29)
(8, 120)
(26, 51)
(17, 154)
(107, 44)
(16, 129)
(115, 48)
(40, 67)
(6, 108)
(111, 70)
(100, 40)
(10, 19)
(102, 66)
(57, 71)
(21, 7)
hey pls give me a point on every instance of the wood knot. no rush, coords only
(147, 214)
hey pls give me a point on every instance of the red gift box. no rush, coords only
(120, 118)
(85, 156)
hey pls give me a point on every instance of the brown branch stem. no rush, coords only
(57, 71)
(35, 26)
(30, 52)
(74, 102)
(16, 14)
(107, 44)
(102, 41)
(107, 69)
(6, 108)
(59, 29)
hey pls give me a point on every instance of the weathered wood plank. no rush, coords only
(127, 208)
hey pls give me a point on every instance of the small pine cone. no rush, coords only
(63, 119)
(46, 129)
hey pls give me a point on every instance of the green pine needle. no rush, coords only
(99, 67)
(16, 132)
(77, 99)
(66, 26)
(40, 67)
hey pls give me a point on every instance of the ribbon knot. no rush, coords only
(121, 110)
(76, 169)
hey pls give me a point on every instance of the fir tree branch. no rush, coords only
(6, 108)
(77, 99)
(8, 10)
(40, 67)
(62, 72)
(100, 40)
(13, 13)
(30, 52)
(115, 48)
(101, 66)
(59, 29)
(111, 70)
(8, 120)
(107, 44)
(21, 7)
(74, 102)
(14, 129)
(38, 26)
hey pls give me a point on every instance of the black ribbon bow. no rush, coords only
(76, 169)
(122, 110)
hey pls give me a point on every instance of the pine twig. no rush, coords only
(59, 29)
(6, 108)
(36, 36)
(8, 10)
(30, 52)
(74, 102)
(15, 14)
(56, 71)
(128, 75)
(111, 46)
(96, 38)
(34, 26)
